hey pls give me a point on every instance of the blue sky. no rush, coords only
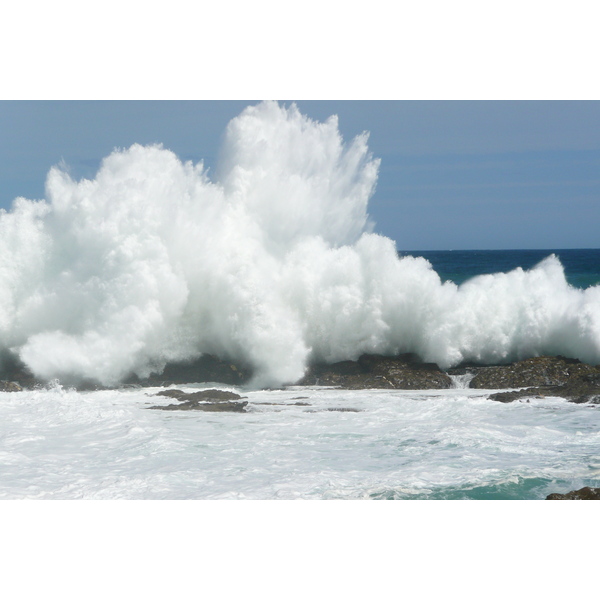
(454, 174)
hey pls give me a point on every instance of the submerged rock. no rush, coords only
(585, 493)
(403, 372)
(10, 386)
(206, 400)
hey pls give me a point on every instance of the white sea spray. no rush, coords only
(272, 263)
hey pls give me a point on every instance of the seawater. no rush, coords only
(369, 444)
(273, 262)
(581, 266)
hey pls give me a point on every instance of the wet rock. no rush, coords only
(10, 386)
(404, 372)
(576, 382)
(533, 372)
(517, 395)
(202, 396)
(576, 392)
(205, 368)
(206, 406)
(585, 493)
(12, 370)
(205, 400)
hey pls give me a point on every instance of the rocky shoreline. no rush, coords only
(585, 493)
(530, 378)
(526, 379)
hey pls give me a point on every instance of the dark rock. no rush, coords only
(577, 392)
(205, 400)
(202, 396)
(205, 368)
(569, 379)
(404, 372)
(516, 395)
(14, 371)
(206, 406)
(172, 393)
(586, 493)
(580, 391)
(533, 372)
(10, 386)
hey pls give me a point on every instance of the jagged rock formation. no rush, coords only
(405, 372)
(532, 372)
(542, 376)
(585, 493)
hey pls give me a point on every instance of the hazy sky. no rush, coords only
(454, 175)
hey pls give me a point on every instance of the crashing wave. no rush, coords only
(273, 263)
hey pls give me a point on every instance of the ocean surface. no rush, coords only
(339, 444)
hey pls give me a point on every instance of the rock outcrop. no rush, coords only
(542, 376)
(585, 493)
(10, 386)
(205, 368)
(532, 372)
(538, 377)
(403, 372)
(206, 400)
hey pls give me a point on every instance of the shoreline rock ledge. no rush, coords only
(585, 493)
(402, 372)
(529, 378)
(541, 376)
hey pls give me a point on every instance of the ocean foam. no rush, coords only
(272, 263)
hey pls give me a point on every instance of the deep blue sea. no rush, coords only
(582, 267)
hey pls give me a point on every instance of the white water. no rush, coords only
(400, 444)
(270, 263)
(461, 382)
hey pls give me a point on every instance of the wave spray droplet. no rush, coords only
(272, 264)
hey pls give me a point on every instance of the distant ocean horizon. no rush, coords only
(582, 266)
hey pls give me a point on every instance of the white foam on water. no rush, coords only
(294, 443)
(461, 382)
(272, 263)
